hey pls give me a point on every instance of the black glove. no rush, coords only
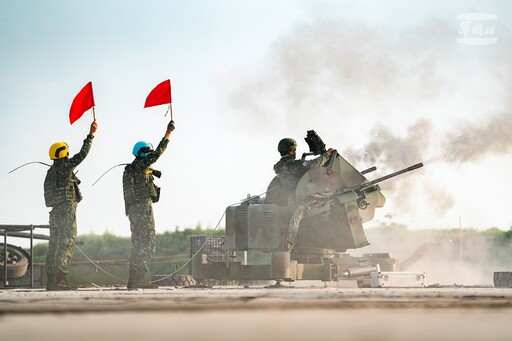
(170, 126)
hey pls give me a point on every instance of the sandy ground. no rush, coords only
(257, 313)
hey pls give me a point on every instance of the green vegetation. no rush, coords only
(111, 252)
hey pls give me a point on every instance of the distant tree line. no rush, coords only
(110, 252)
(176, 243)
(111, 247)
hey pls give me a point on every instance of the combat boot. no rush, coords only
(51, 283)
(137, 280)
(131, 279)
(58, 282)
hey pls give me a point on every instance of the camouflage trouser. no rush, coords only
(296, 219)
(142, 225)
(313, 201)
(62, 237)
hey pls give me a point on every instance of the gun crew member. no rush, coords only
(289, 170)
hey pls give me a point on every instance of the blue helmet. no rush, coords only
(142, 148)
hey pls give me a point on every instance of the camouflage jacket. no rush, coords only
(60, 183)
(138, 177)
(289, 166)
(289, 170)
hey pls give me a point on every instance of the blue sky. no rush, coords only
(244, 74)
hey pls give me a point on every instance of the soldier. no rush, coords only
(139, 194)
(289, 170)
(61, 192)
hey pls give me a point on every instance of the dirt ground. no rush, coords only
(312, 312)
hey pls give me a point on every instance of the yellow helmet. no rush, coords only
(58, 150)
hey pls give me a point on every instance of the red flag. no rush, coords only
(161, 94)
(83, 101)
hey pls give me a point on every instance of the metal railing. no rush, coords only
(20, 231)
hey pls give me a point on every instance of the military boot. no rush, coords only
(51, 283)
(58, 282)
(132, 279)
(61, 280)
(137, 280)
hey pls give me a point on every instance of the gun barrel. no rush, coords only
(369, 170)
(408, 169)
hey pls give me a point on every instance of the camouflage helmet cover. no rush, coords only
(286, 145)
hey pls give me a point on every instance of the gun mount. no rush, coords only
(304, 229)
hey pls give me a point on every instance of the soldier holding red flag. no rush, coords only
(140, 193)
(62, 194)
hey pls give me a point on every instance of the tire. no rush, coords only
(174, 281)
(17, 261)
(503, 279)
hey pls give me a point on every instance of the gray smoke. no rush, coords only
(332, 68)
(475, 140)
(391, 151)
(334, 72)
(448, 257)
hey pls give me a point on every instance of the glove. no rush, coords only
(170, 126)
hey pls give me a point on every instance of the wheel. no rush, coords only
(174, 280)
(503, 279)
(17, 261)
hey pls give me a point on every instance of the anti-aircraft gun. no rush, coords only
(306, 230)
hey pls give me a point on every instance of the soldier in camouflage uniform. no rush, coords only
(61, 192)
(139, 195)
(289, 171)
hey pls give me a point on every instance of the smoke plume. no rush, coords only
(333, 68)
(338, 73)
(463, 257)
(476, 140)
(387, 85)
(392, 151)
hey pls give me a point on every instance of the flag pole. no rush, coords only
(94, 113)
(170, 108)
